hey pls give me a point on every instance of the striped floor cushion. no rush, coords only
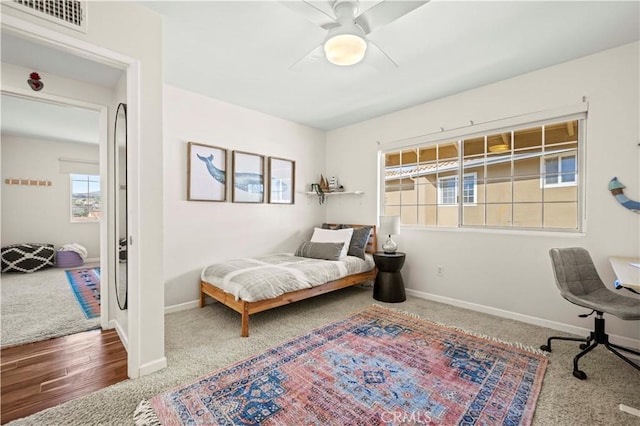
(27, 257)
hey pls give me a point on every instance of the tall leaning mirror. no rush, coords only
(120, 157)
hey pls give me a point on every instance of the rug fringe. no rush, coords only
(471, 333)
(145, 415)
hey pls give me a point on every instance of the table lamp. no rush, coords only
(390, 225)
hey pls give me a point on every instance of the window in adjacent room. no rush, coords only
(559, 170)
(85, 198)
(519, 177)
(448, 189)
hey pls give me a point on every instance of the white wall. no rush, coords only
(198, 233)
(512, 271)
(42, 213)
(129, 29)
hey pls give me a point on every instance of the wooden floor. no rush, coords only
(44, 374)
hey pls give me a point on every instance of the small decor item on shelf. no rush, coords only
(333, 184)
(315, 187)
(324, 185)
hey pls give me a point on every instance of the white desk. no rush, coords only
(628, 276)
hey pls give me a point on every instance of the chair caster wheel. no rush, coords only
(583, 346)
(545, 348)
(579, 374)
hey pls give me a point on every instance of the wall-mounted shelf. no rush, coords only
(337, 193)
(322, 197)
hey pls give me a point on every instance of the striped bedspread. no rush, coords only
(266, 277)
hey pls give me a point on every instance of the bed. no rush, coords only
(241, 284)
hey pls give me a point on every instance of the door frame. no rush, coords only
(129, 331)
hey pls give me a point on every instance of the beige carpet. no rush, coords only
(199, 341)
(39, 306)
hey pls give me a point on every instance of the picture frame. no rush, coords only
(248, 177)
(206, 172)
(282, 178)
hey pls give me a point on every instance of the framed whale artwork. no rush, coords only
(206, 173)
(248, 177)
(282, 174)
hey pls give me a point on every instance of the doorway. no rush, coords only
(70, 59)
(51, 197)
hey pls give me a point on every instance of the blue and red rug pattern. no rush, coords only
(375, 367)
(85, 284)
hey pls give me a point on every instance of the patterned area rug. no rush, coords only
(377, 366)
(85, 284)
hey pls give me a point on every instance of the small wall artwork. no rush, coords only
(248, 177)
(281, 180)
(207, 171)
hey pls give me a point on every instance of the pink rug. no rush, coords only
(375, 367)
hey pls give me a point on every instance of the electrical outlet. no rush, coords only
(440, 271)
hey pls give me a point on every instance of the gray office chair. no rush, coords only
(579, 283)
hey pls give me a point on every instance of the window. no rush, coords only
(85, 198)
(522, 177)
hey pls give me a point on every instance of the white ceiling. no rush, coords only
(47, 60)
(29, 118)
(241, 52)
(32, 118)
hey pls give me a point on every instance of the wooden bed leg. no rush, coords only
(245, 321)
(201, 299)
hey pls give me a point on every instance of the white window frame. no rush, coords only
(559, 173)
(73, 218)
(577, 112)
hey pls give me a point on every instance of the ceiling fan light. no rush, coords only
(345, 49)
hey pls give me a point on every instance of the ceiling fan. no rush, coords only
(346, 41)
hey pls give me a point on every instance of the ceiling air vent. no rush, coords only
(70, 13)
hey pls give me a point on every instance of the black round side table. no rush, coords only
(389, 286)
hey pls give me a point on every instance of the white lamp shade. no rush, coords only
(390, 225)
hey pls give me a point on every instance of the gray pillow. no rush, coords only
(359, 239)
(325, 251)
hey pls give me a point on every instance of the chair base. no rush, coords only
(597, 337)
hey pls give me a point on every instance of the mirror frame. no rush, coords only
(120, 163)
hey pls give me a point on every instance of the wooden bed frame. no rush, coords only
(250, 308)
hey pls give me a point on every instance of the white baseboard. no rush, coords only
(123, 336)
(146, 368)
(572, 329)
(152, 366)
(182, 306)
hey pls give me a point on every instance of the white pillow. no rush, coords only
(334, 236)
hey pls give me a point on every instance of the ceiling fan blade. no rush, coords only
(313, 12)
(378, 58)
(313, 57)
(384, 13)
